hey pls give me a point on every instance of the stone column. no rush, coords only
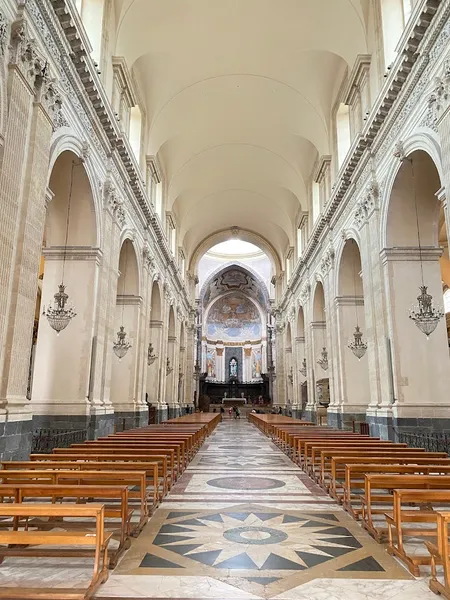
(421, 373)
(102, 412)
(300, 354)
(354, 392)
(379, 410)
(33, 102)
(124, 373)
(171, 376)
(189, 365)
(154, 368)
(62, 367)
(318, 341)
(247, 370)
(279, 359)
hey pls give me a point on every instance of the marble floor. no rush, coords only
(244, 522)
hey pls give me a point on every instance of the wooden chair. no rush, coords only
(29, 542)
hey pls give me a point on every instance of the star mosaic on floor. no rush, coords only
(256, 548)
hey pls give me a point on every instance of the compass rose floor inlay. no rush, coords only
(245, 522)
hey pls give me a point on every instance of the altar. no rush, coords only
(234, 401)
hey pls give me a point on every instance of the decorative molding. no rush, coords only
(327, 262)
(368, 204)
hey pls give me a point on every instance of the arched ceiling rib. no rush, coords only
(239, 97)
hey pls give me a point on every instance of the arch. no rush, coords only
(319, 303)
(249, 298)
(288, 337)
(300, 322)
(239, 267)
(128, 283)
(171, 330)
(349, 280)
(245, 235)
(156, 312)
(425, 142)
(65, 141)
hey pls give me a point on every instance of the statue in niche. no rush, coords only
(233, 368)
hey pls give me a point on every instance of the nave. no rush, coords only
(244, 521)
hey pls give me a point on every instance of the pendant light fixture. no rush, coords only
(424, 314)
(60, 315)
(302, 369)
(121, 345)
(151, 356)
(358, 346)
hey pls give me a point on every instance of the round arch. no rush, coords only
(245, 235)
(419, 142)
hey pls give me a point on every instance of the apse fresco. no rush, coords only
(233, 318)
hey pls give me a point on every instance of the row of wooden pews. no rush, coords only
(400, 495)
(91, 499)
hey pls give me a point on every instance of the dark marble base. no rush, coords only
(130, 420)
(388, 428)
(15, 440)
(162, 414)
(345, 420)
(310, 415)
(94, 425)
(174, 412)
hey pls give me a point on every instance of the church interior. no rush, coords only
(224, 299)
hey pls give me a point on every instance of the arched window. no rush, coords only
(136, 131)
(233, 367)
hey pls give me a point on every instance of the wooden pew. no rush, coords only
(300, 441)
(151, 490)
(83, 457)
(352, 490)
(378, 498)
(132, 446)
(325, 474)
(315, 462)
(401, 516)
(26, 542)
(440, 554)
(105, 493)
(134, 479)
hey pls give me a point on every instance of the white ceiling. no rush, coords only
(238, 96)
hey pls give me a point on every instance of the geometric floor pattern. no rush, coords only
(245, 522)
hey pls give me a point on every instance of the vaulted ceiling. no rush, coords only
(238, 96)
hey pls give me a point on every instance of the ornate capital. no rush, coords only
(113, 203)
(304, 293)
(399, 151)
(439, 99)
(3, 34)
(327, 262)
(25, 57)
(368, 203)
(149, 261)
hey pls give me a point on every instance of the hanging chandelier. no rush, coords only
(169, 367)
(121, 346)
(291, 375)
(151, 356)
(60, 315)
(323, 360)
(424, 314)
(302, 369)
(358, 346)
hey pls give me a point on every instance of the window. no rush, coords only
(233, 368)
(394, 15)
(136, 131)
(343, 133)
(315, 201)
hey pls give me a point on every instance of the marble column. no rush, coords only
(33, 102)
(420, 365)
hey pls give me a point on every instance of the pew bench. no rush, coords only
(90, 457)
(440, 555)
(403, 523)
(27, 542)
(142, 476)
(353, 490)
(135, 482)
(117, 508)
(328, 479)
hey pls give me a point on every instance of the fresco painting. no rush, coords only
(234, 318)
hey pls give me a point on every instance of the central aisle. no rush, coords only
(245, 522)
